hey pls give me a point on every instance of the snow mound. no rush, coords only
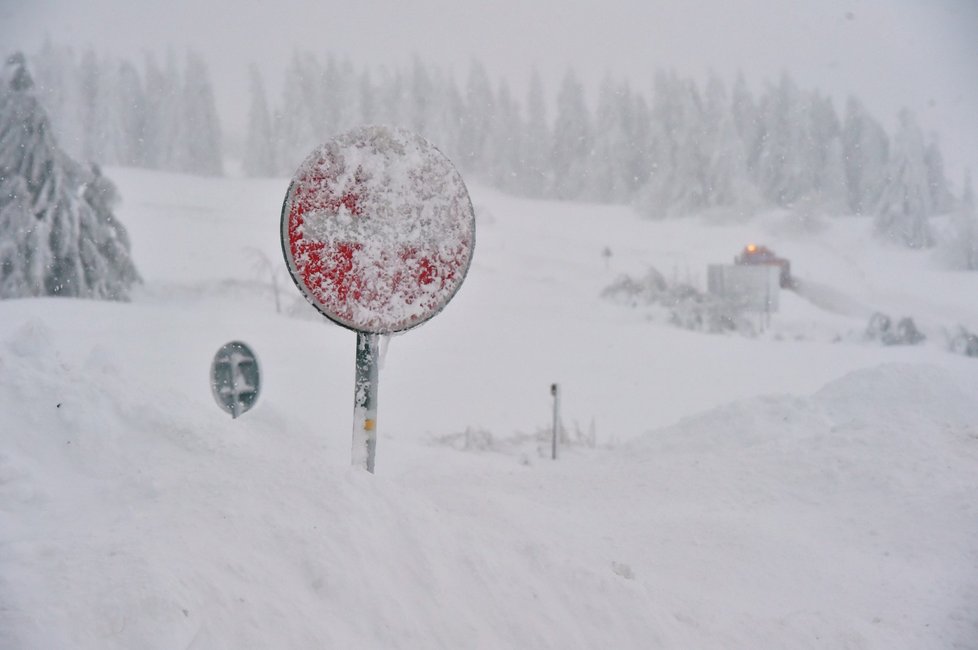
(808, 506)
(897, 402)
(134, 513)
(131, 516)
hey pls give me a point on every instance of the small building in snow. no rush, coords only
(755, 288)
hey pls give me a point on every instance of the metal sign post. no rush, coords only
(365, 402)
(377, 232)
(555, 391)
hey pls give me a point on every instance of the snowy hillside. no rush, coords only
(805, 488)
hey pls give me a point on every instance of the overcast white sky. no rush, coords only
(922, 54)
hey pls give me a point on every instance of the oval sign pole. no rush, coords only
(378, 233)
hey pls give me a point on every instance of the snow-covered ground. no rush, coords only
(801, 489)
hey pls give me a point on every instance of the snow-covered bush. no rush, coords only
(58, 236)
(963, 342)
(472, 439)
(882, 329)
(681, 304)
(526, 445)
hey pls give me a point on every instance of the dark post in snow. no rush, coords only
(555, 391)
(378, 233)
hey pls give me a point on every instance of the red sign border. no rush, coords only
(311, 299)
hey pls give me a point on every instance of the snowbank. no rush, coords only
(137, 516)
(768, 493)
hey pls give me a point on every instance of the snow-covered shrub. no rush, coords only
(681, 304)
(58, 236)
(478, 440)
(878, 326)
(472, 439)
(637, 291)
(270, 275)
(882, 329)
(538, 443)
(963, 342)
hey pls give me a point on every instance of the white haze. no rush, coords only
(891, 54)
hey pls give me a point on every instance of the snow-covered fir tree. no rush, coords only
(101, 126)
(906, 201)
(535, 176)
(200, 143)
(786, 168)
(691, 148)
(652, 196)
(962, 243)
(832, 193)
(476, 120)
(259, 155)
(58, 236)
(677, 181)
(689, 185)
(298, 129)
(727, 181)
(391, 105)
(504, 146)
(638, 152)
(940, 193)
(420, 96)
(866, 151)
(163, 112)
(607, 161)
(338, 81)
(55, 73)
(826, 156)
(132, 120)
(449, 108)
(571, 140)
(745, 119)
(366, 98)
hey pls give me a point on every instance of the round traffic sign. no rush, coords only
(235, 378)
(378, 229)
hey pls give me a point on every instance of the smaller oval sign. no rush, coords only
(378, 229)
(235, 378)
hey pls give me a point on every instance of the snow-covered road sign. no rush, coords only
(235, 378)
(378, 229)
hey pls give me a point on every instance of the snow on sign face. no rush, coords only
(378, 229)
